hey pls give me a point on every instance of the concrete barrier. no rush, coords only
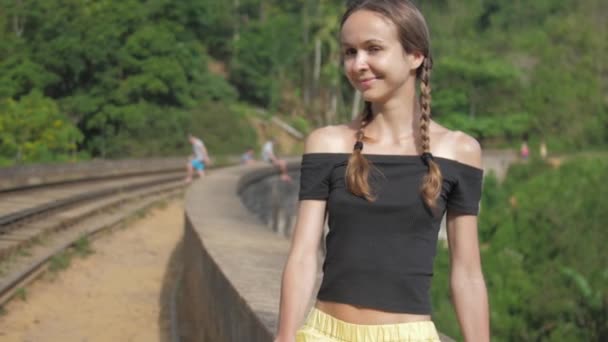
(40, 174)
(232, 264)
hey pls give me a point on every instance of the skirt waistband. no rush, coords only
(344, 331)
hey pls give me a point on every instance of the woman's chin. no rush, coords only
(371, 96)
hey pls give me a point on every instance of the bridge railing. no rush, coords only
(232, 264)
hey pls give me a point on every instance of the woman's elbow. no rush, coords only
(466, 273)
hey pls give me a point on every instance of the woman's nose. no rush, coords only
(361, 62)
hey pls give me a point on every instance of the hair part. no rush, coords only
(414, 37)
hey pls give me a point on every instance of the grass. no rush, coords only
(82, 247)
(21, 293)
(24, 252)
(61, 261)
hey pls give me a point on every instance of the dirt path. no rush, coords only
(110, 295)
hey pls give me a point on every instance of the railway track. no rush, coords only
(37, 223)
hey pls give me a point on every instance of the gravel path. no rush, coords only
(113, 294)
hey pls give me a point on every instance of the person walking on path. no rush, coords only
(269, 156)
(384, 182)
(524, 150)
(199, 159)
(248, 157)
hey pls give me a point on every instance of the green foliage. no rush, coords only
(33, 129)
(125, 73)
(119, 69)
(270, 50)
(512, 70)
(82, 246)
(542, 246)
(509, 126)
(301, 124)
(224, 129)
(21, 293)
(60, 261)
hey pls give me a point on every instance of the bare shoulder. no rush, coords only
(461, 147)
(466, 149)
(328, 139)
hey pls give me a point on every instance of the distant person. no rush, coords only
(543, 149)
(269, 156)
(524, 150)
(248, 157)
(199, 158)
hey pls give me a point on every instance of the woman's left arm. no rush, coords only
(467, 283)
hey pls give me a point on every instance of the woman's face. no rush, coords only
(374, 60)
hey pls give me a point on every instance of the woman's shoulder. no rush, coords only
(459, 146)
(329, 139)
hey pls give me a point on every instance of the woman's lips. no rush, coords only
(367, 82)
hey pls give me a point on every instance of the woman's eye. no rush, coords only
(350, 52)
(374, 49)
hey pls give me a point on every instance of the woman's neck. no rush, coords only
(394, 120)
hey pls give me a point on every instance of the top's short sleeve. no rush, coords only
(466, 193)
(315, 175)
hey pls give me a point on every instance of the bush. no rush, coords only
(301, 124)
(224, 129)
(33, 130)
(543, 239)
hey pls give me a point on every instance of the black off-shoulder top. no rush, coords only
(380, 254)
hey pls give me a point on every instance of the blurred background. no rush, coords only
(82, 80)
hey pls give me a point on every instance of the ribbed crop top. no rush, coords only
(380, 254)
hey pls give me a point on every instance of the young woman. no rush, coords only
(385, 181)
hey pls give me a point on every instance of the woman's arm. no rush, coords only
(467, 283)
(300, 271)
(206, 157)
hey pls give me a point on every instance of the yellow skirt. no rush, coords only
(321, 327)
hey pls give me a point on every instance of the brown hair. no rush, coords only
(414, 37)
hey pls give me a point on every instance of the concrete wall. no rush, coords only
(37, 174)
(231, 281)
(273, 202)
(209, 306)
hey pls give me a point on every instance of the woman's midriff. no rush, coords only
(361, 315)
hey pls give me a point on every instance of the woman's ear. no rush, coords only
(415, 59)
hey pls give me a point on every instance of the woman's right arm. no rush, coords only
(300, 271)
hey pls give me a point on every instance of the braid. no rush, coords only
(357, 170)
(425, 106)
(431, 184)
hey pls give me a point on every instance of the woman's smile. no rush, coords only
(367, 82)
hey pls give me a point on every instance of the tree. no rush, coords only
(33, 129)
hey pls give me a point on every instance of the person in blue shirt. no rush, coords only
(248, 157)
